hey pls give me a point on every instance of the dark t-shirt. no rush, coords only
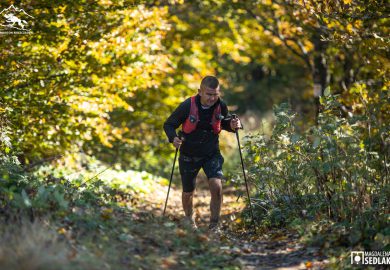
(202, 141)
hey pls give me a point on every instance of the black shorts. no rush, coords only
(190, 166)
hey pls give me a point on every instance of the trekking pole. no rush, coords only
(243, 171)
(170, 181)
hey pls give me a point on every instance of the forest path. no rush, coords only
(276, 249)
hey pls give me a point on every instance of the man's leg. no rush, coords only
(189, 219)
(188, 171)
(187, 198)
(215, 185)
(213, 169)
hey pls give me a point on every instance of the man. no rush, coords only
(202, 118)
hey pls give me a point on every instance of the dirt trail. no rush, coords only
(279, 249)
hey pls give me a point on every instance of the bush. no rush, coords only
(337, 170)
(57, 189)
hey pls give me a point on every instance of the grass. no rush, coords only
(106, 223)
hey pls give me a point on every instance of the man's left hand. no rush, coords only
(235, 123)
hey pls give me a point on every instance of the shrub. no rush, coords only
(337, 170)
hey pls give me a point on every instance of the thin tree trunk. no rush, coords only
(319, 72)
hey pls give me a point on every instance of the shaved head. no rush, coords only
(209, 82)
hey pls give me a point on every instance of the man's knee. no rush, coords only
(215, 183)
(188, 194)
(215, 186)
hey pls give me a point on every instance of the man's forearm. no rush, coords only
(170, 131)
(176, 119)
(225, 123)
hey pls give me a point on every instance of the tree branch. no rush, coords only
(304, 56)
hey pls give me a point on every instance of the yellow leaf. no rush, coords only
(349, 28)
(106, 213)
(358, 24)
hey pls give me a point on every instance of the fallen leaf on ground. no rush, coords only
(309, 265)
(181, 233)
(167, 263)
(247, 250)
(202, 237)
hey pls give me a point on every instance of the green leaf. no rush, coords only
(295, 138)
(327, 91)
(316, 142)
(26, 199)
(60, 199)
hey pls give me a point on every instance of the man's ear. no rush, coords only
(199, 92)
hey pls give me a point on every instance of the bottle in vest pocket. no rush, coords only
(192, 120)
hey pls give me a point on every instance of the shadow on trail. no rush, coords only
(278, 249)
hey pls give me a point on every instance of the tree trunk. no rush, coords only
(319, 72)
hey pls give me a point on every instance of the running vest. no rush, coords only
(193, 118)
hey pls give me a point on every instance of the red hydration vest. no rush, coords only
(192, 120)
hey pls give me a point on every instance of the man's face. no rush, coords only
(208, 96)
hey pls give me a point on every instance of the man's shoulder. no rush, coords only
(186, 102)
(184, 106)
(222, 104)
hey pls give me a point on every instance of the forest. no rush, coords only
(85, 165)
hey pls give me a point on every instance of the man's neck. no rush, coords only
(202, 105)
(205, 107)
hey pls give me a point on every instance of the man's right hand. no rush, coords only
(177, 142)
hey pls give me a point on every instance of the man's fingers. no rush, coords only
(177, 142)
(236, 123)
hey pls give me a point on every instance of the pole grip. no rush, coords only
(234, 116)
(181, 135)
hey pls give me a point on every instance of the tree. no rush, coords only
(84, 77)
(329, 37)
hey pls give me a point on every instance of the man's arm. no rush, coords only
(176, 119)
(227, 118)
(225, 122)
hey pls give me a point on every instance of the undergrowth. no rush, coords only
(330, 183)
(80, 214)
